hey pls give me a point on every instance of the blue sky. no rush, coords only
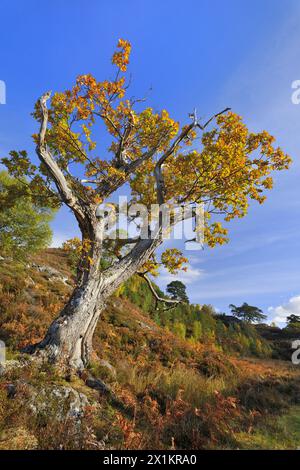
(204, 54)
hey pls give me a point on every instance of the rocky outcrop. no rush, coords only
(50, 273)
(58, 400)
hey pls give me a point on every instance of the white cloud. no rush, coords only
(281, 312)
(187, 277)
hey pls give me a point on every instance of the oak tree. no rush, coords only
(219, 163)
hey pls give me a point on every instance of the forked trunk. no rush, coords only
(68, 341)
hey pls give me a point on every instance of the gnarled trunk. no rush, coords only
(68, 341)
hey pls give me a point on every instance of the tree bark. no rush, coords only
(68, 341)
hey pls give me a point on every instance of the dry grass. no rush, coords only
(168, 389)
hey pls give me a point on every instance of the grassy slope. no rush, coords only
(168, 392)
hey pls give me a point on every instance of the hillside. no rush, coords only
(148, 386)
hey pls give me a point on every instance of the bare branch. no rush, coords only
(212, 118)
(133, 166)
(53, 168)
(104, 116)
(160, 187)
(130, 241)
(155, 294)
(184, 133)
(132, 261)
(90, 181)
(105, 188)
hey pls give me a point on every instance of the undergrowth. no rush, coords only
(170, 391)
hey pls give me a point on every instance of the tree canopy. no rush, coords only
(24, 225)
(161, 160)
(216, 163)
(293, 320)
(177, 290)
(248, 313)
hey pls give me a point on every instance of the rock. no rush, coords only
(144, 325)
(12, 364)
(51, 273)
(46, 269)
(99, 385)
(58, 401)
(107, 365)
(6, 258)
(11, 391)
(29, 282)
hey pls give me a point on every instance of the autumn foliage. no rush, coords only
(224, 168)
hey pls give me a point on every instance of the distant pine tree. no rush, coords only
(247, 313)
(177, 290)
